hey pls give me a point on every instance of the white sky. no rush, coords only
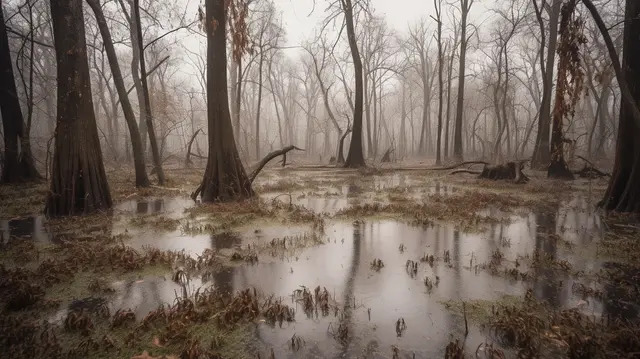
(398, 14)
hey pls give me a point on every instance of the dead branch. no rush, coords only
(269, 157)
(459, 165)
(465, 171)
(387, 155)
(590, 171)
(193, 137)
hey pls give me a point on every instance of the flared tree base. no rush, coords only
(559, 170)
(225, 180)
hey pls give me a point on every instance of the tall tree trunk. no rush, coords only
(355, 158)
(438, 7)
(135, 71)
(557, 166)
(157, 161)
(78, 181)
(18, 165)
(224, 178)
(465, 6)
(541, 154)
(136, 142)
(623, 193)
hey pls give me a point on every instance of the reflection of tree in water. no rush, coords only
(225, 240)
(141, 297)
(23, 227)
(544, 287)
(142, 207)
(158, 205)
(346, 318)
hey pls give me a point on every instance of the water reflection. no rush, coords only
(342, 266)
(171, 206)
(24, 227)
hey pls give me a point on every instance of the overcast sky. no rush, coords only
(398, 13)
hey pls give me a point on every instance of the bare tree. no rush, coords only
(465, 7)
(136, 142)
(157, 161)
(78, 181)
(355, 157)
(541, 154)
(224, 178)
(438, 18)
(18, 163)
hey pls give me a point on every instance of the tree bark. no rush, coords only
(18, 161)
(558, 167)
(157, 161)
(260, 64)
(225, 178)
(355, 158)
(438, 7)
(623, 193)
(78, 181)
(541, 154)
(465, 6)
(136, 142)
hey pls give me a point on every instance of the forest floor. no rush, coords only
(387, 262)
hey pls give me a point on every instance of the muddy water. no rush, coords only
(370, 302)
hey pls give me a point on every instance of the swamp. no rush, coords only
(324, 263)
(205, 179)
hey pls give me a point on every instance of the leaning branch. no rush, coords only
(193, 137)
(269, 157)
(154, 68)
(615, 61)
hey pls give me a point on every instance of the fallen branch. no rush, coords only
(269, 157)
(465, 171)
(458, 165)
(590, 171)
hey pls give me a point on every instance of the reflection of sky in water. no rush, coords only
(342, 265)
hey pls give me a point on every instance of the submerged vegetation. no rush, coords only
(71, 276)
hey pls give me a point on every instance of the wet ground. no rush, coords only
(393, 282)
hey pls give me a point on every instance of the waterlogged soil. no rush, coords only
(396, 254)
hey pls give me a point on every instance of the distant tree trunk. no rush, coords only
(367, 112)
(18, 161)
(403, 119)
(465, 7)
(623, 193)
(260, 65)
(541, 154)
(225, 178)
(438, 7)
(157, 161)
(78, 181)
(136, 142)
(355, 158)
(135, 72)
